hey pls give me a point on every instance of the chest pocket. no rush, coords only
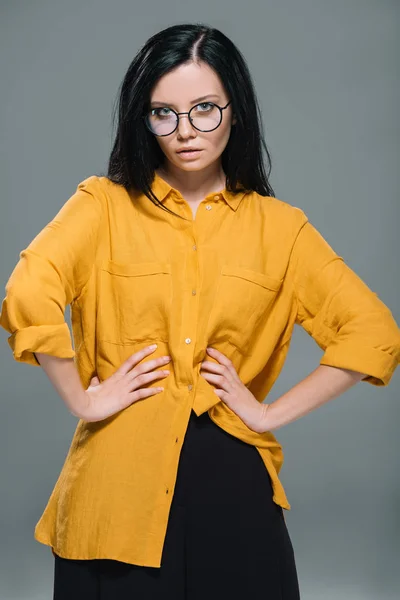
(134, 301)
(242, 300)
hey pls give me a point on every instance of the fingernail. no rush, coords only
(153, 347)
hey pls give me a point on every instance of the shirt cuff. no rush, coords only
(48, 339)
(379, 365)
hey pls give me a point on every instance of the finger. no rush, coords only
(219, 380)
(224, 396)
(134, 359)
(144, 378)
(212, 367)
(218, 369)
(141, 393)
(223, 360)
(218, 355)
(147, 366)
(215, 353)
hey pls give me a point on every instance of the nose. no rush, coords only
(185, 128)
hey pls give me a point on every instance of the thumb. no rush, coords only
(95, 380)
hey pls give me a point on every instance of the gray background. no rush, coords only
(326, 78)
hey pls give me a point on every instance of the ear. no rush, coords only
(234, 121)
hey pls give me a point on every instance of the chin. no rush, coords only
(187, 167)
(190, 167)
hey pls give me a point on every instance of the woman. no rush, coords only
(170, 488)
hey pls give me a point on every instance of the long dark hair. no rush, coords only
(136, 154)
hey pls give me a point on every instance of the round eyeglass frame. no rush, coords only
(220, 108)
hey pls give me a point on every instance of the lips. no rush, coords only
(189, 150)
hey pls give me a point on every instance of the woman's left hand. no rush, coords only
(233, 392)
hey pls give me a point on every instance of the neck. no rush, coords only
(194, 184)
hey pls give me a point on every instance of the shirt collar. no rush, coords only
(162, 188)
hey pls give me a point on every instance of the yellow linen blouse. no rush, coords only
(237, 277)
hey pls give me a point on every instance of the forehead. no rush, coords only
(187, 82)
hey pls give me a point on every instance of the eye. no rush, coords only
(204, 107)
(156, 112)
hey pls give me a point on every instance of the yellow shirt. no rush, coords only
(237, 277)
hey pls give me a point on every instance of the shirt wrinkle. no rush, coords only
(238, 277)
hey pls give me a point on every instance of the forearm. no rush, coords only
(322, 385)
(64, 376)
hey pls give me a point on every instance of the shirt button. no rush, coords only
(216, 197)
(190, 387)
(195, 247)
(193, 292)
(188, 340)
(208, 207)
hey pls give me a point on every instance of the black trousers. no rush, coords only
(226, 538)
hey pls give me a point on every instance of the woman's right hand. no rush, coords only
(123, 387)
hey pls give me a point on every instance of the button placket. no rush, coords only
(189, 313)
(189, 318)
(188, 340)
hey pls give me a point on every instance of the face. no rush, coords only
(180, 90)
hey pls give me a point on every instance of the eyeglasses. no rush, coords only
(205, 116)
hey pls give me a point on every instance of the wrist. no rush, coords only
(266, 421)
(81, 408)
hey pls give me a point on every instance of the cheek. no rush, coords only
(221, 138)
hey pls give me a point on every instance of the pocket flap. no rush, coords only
(135, 269)
(254, 276)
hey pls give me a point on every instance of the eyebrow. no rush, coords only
(191, 102)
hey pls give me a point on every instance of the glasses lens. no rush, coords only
(161, 121)
(205, 117)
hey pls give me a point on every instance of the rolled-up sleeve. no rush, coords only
(356, 330)
(51, 273)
